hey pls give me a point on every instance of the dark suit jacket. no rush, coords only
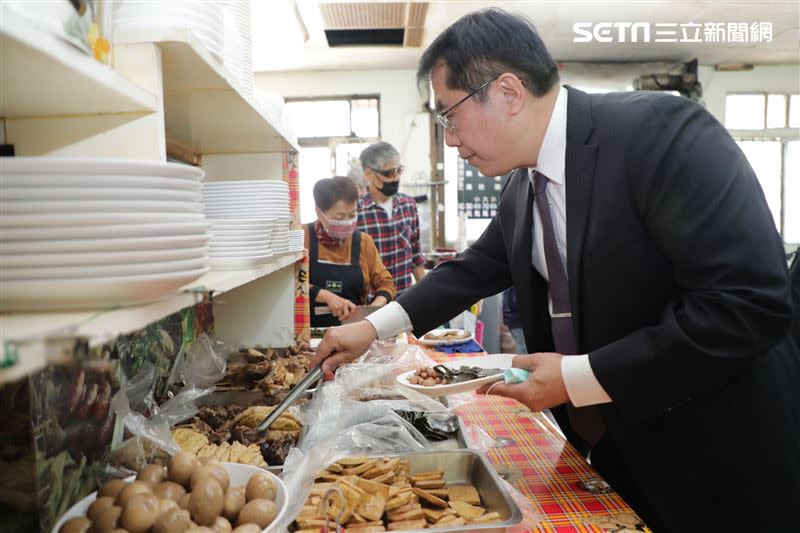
(679, 287)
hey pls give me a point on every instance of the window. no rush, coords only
(349, 116)
(332, 132)
(765, 128)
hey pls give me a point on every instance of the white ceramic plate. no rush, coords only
(102, 231)
(231, 214)
(259, 221)
(244, 183)
(431, 342)
(501, 361)
(239, 475)
(95, 206)
(86, 166)
(91, 293)
(260, 193)
(28, 220)
(101, 270)
(99, 258)
(89, 180)
(110, 245)
(239, 235)
(258, 243)
(97, 193)
(249, 202)
(257, 252)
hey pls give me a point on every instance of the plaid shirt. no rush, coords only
(397, 238)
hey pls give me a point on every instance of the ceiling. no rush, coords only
(289, 34)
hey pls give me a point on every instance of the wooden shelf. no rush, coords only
(30, 331)
(206, 109)
(221, 281)
(43, 75)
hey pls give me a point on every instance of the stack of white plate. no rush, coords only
(249, 221)
(296, 240)
(202, 17)
(238, 32)
(95, 233)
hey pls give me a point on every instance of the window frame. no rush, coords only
(332, 141)
(783, 135)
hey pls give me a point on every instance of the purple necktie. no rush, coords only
(585, 420)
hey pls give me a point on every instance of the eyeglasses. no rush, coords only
(391, 173)
(448, 123)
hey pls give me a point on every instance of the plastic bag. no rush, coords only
(373, 377)
(156, 428)
(337, 427)
(202, 364)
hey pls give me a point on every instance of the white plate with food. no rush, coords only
(500, 361)
(446, 337)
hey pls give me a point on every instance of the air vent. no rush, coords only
(373, 23)
(384, 37)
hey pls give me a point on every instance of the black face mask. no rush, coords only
(390, 188)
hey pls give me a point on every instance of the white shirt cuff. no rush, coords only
(582, 385)
(389, 321)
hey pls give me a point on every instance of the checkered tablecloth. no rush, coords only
(531, 455)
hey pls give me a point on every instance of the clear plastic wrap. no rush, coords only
(373, 377)
(339, 427)
(154, 429)
(202, 364)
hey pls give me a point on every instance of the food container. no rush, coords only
(470, 467)
(239, 474)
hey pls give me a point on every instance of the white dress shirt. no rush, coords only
(579, 379)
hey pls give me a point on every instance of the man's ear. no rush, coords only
(513, 92)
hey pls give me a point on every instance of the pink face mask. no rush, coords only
(341, 229)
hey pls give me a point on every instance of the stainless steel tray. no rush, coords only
(245, 397)
(470, 467)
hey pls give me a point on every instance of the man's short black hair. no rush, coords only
(328, 191)
(487, 43)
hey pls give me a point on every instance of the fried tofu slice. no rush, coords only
(430, 498)
(494, 516)
(431, 484)
(464, 493)
(371, 507)
(407, 524)
(360, 469)
(467, 511)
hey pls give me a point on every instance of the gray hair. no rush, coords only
(357, 175)
(378, 154)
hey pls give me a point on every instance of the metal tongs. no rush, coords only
(313, 376)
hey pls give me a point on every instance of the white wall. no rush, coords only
(767, 78)
(401, 102)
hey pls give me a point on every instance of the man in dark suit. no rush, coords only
(651, 281)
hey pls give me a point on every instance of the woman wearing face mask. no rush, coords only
(344, 265)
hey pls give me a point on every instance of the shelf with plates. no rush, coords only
(44, 75)
(218, 282)
(164, 88)
(28, 332)
(206, 109)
